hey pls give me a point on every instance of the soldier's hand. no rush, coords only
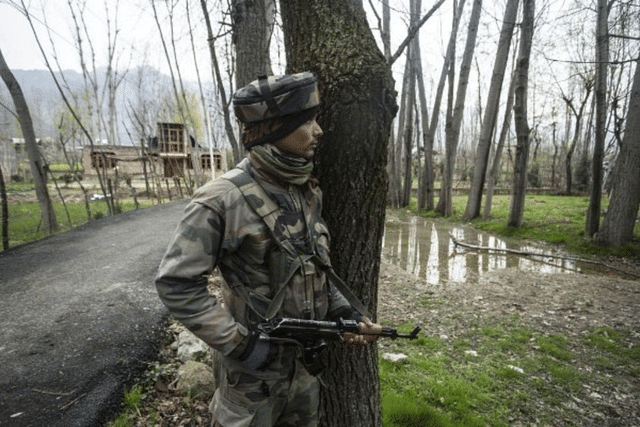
(369, 333)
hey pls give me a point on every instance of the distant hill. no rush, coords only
(44, 99)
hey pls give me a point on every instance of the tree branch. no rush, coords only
(413, 31)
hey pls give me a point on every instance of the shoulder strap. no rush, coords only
(268, 210)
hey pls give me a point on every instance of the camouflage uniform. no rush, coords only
(220, 229)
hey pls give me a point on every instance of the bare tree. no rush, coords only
(620, 219)
(445, 204)
(358, 106)
(426, 191)
(217, 76)
(587, 85)
(491, 111)
(35, 160)
(520, 115)
(592, 222)
(408, 132)
(5, 212)
(496, 165)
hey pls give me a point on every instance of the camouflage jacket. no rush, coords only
(219, 228)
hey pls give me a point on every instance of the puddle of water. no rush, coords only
(423, 247)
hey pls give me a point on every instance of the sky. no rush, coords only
(138, 39)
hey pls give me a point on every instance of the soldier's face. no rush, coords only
(302, 142)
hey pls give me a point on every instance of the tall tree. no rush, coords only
(496, 165)
(35, 157)
(520, 115)
(334, 40)
(592, 222)
(587, 84)
(620, 219)
(426, 190)
(454, 123)
(491, 111)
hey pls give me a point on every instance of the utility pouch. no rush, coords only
(314, 357)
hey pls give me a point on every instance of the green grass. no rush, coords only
(25, 223)
(553, 219)
(500, 373)
(133, 399)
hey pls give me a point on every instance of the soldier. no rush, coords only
(260, 225)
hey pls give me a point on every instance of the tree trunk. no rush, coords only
(602, 62)
(619, 221)
(408, 134)
(491, 111)
(5, 212)
(429, 170)
(520, 115)
(397, 148)
(35, 159)
(453, 129)
(568, 161)
(496, 166)
(333, 39)
(253, 22)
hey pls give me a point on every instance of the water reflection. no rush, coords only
(423, 247)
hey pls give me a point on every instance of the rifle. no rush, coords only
(302, 330)
(311, 336)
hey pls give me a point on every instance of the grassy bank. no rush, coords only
(25, 224)
(558, 220)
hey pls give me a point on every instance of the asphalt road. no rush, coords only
(80, 318)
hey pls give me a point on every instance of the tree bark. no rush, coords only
(520, 115)
(491, 111)
(619, 221)
(253, 22)
(334, 40)
(602, 63)
(35, 160)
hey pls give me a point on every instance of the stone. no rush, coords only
(191, 347)
(394, 357)
(195, 379)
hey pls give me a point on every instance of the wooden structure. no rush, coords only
(171, 154)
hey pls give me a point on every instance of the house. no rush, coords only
(173, 153)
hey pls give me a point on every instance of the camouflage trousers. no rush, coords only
(285, 395)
